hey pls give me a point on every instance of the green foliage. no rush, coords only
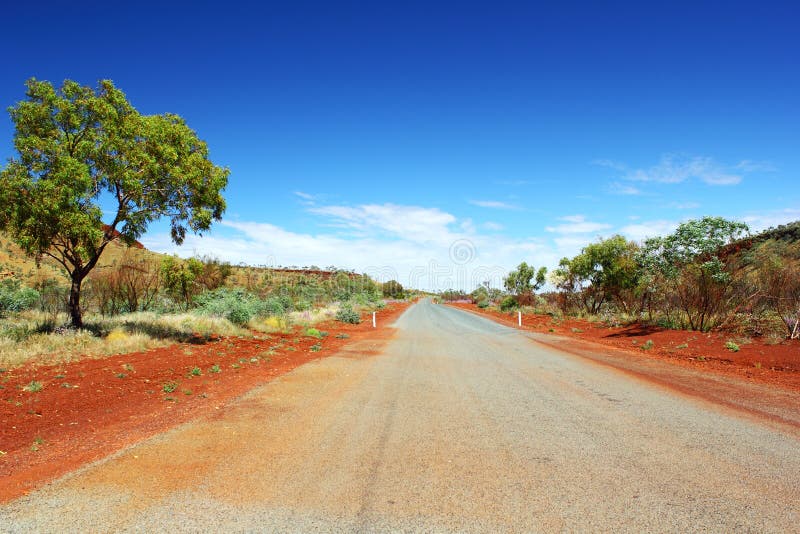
(33, 387)
(393, 290)
(313, 332)
(234, 304)
(647, 345)
(483, 304)
(347, 314)
(169, 387)
(78, 146)
(316, 347)
(14, 297)
(731, 346)
(520, 281)
(508, 303)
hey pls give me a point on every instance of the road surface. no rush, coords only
(458, 425)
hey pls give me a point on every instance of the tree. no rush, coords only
(689, 261)
(393, 289)
(610, 269)
(83, 151)
(519, 282)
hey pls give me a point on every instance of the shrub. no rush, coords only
(347, 314)
(313, 332)
(273, 306)
(508, 303)
(14, 297)
(647, 345)
(483, 304)
(731, 346)
(236, 305)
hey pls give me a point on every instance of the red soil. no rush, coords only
(777, 364)
(89, 409)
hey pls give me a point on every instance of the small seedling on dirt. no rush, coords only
(647, 345)
(59, 377)
(731, 346)
(242, 360)
(33, 387)
(313, 332)
(701, 358)
(215, 368)
(576, 330)
(196, 371)
(683, 346)
(235, 365)
(170, 399)
(342, 336)
(121, 375)
(187, 391)
(169, 387)
(253, 360)
(66, 385)
(551, 330)
(316, 347)
(128, 367)
(38, 440)
(757, 365)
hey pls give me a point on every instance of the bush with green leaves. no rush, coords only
(508, 303)
(483, 304)
(14, 297)
(234, 304)
(347, 314)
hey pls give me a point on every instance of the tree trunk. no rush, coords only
(74, 304)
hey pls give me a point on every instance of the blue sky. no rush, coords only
(443, 144)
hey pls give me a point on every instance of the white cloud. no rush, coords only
(643, 230)
(761, 221)
(616, 188)
(674, 169)
(421, 247)
(577, 224)
(685, 205)
(493, 226)
(494, 204)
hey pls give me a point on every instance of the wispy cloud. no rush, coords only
(678, 168)
(494, 204)
(617, 188)
(493, 226)
(684, 205)
(577, 224)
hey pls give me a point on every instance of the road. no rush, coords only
(459, 424)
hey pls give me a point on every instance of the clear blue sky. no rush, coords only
(442, 144)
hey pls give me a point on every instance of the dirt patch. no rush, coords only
(53, 419)
(756, 360)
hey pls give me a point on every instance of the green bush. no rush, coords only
(273, 306)
(236, 305)
(14, 297)
(508, 303)
(732, 346)
(483, 304)
(347, 314)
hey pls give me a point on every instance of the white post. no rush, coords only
(373, 319)
(519, 317)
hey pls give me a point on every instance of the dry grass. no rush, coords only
(24, 338)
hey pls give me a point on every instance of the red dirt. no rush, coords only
(777, 364)
(87, 410)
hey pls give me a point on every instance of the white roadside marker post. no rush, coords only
(519, 317)
(373, 319)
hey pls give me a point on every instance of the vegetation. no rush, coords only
(79, 148)
(707, 274)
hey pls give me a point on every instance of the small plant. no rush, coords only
(483, 304)
(313, 332)
(128, 367)
(187, 391)
(235, 366)
(121, 375)
(169, 387)
(576, 330)
(731, 346)
(215, 368)
(757, 365)
(701, 358)
(550, 330)
(683, 346)
(316, 347)
(342, 336)
(347, 314)
(59, 377)
(196, 371)
(647, 345)
(33, 387)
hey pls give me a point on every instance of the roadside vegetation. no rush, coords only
(710, 274)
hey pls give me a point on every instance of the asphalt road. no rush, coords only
(459, 425)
